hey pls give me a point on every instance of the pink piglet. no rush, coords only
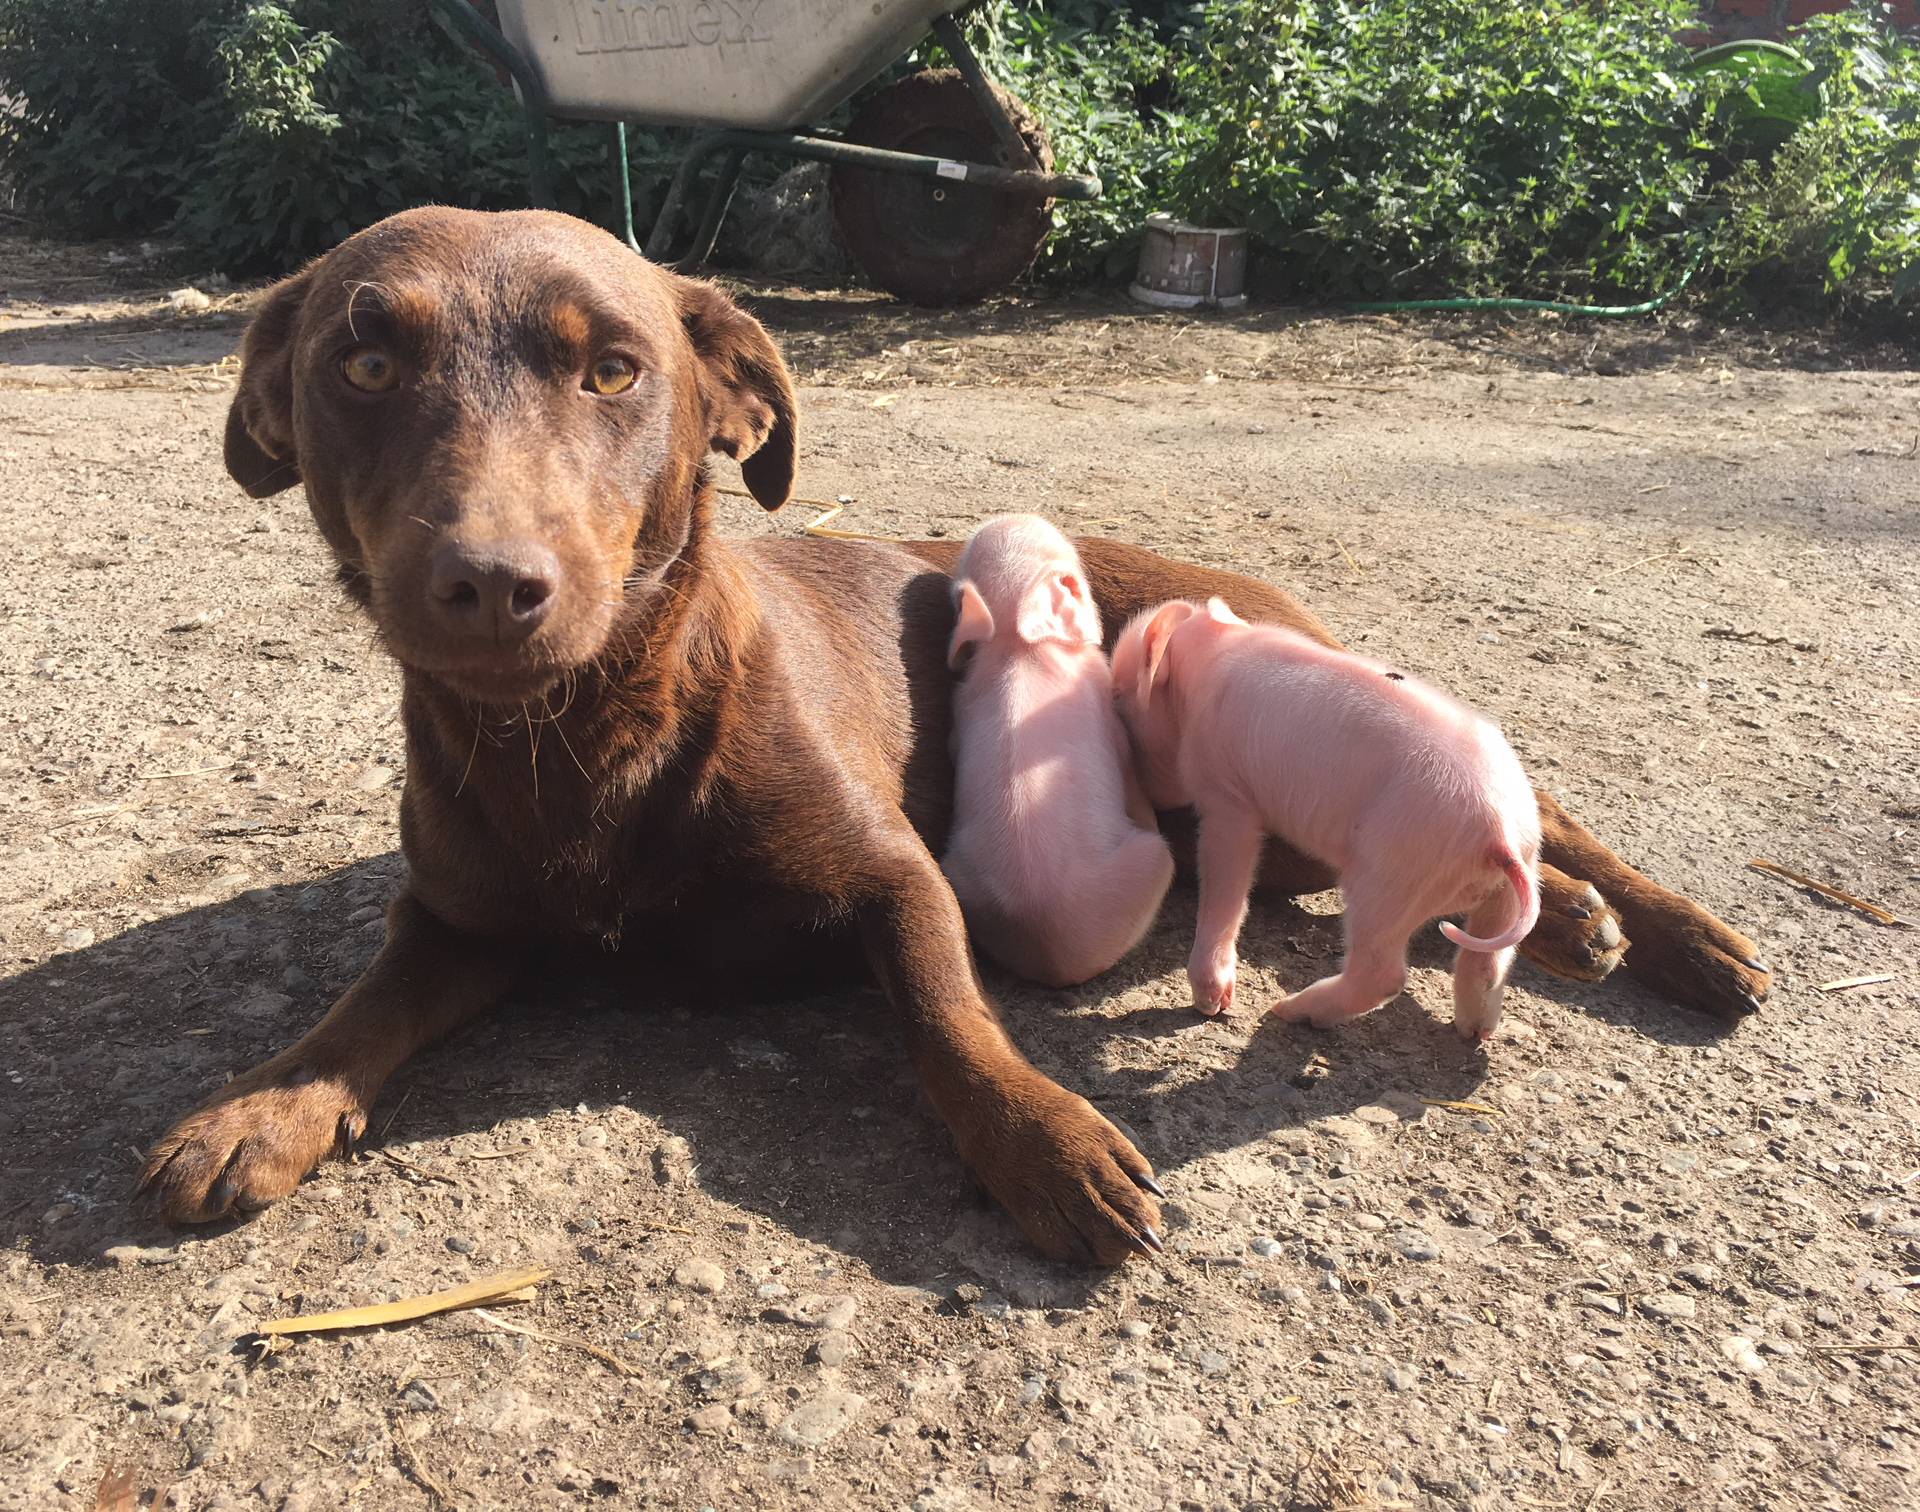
(1416, 801)
(1054, 856)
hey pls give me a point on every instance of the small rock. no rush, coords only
(137, 1254)
(1415, 1244)
(592, 1139)
(419, 1397)
(816, 1311)
(701, 1276)
(76, 939)
(296, 980)
(1369, 1222)
(1266, 1246)
(1135, 1328)
(189, 301)
(833, 1350)
(508, 1412)
(1668, 1307)
(460, 1244)
(715, 1419)
(823, 1419)
(1741, 1352)
(1399, 1378)
(1873, 1214)
(730, 1383)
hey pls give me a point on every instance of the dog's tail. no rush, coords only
(1523, 889)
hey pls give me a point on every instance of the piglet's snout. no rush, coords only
(496, 593)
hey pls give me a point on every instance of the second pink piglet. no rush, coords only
(1054, 856)
(1416, 801)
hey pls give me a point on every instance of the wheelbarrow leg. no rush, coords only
(1014, 152)
(623, 179)
(718, 199)
(660, 238)
(719, 196)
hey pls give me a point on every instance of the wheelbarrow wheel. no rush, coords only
(936, 241)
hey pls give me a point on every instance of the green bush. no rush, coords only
(1463, 146)
(261, 133)
(1833, 219)
(1374, 147)
(1085, 69)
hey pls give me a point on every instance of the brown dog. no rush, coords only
(502, 423)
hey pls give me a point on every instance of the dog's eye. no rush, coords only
(612, 375)
(370, 370)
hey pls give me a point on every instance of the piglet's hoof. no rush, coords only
(1212, 989)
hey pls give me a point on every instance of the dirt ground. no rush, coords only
(1621, 1260)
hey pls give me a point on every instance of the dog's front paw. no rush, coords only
(1688, 955)
(1070, 1179)
(250, 1145)
(1578, 935)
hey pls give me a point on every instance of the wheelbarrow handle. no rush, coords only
(535, 107)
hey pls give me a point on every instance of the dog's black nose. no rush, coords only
(500, 591)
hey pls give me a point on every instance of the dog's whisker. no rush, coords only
(561, 731)
(472, 751)
(533, 752)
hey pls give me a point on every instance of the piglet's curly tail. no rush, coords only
(1523, 889)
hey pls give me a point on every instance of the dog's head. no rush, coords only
(502, 423)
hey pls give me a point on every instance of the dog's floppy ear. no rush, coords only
(260, 450)
(1153, 643)
(972, 628)
(745, 392)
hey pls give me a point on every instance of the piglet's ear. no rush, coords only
(1153, 644)
(1057, 606)
(972, 629)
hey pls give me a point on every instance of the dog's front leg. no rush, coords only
(1675, 946)
(254, 1139)
(1068, 1177)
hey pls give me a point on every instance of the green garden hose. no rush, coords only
(1559, 307)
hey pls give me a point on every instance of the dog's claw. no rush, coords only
(1578, 912)
(1753, 1003)
(1148, 1184)
(1759, 965)
(1149, 1241)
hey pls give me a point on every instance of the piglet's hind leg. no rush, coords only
(1375, 968)
(1479, 976)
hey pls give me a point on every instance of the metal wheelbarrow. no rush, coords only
(942, 186)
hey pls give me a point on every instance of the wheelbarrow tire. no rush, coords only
(936, 241)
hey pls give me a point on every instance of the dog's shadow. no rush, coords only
(805, 1112)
